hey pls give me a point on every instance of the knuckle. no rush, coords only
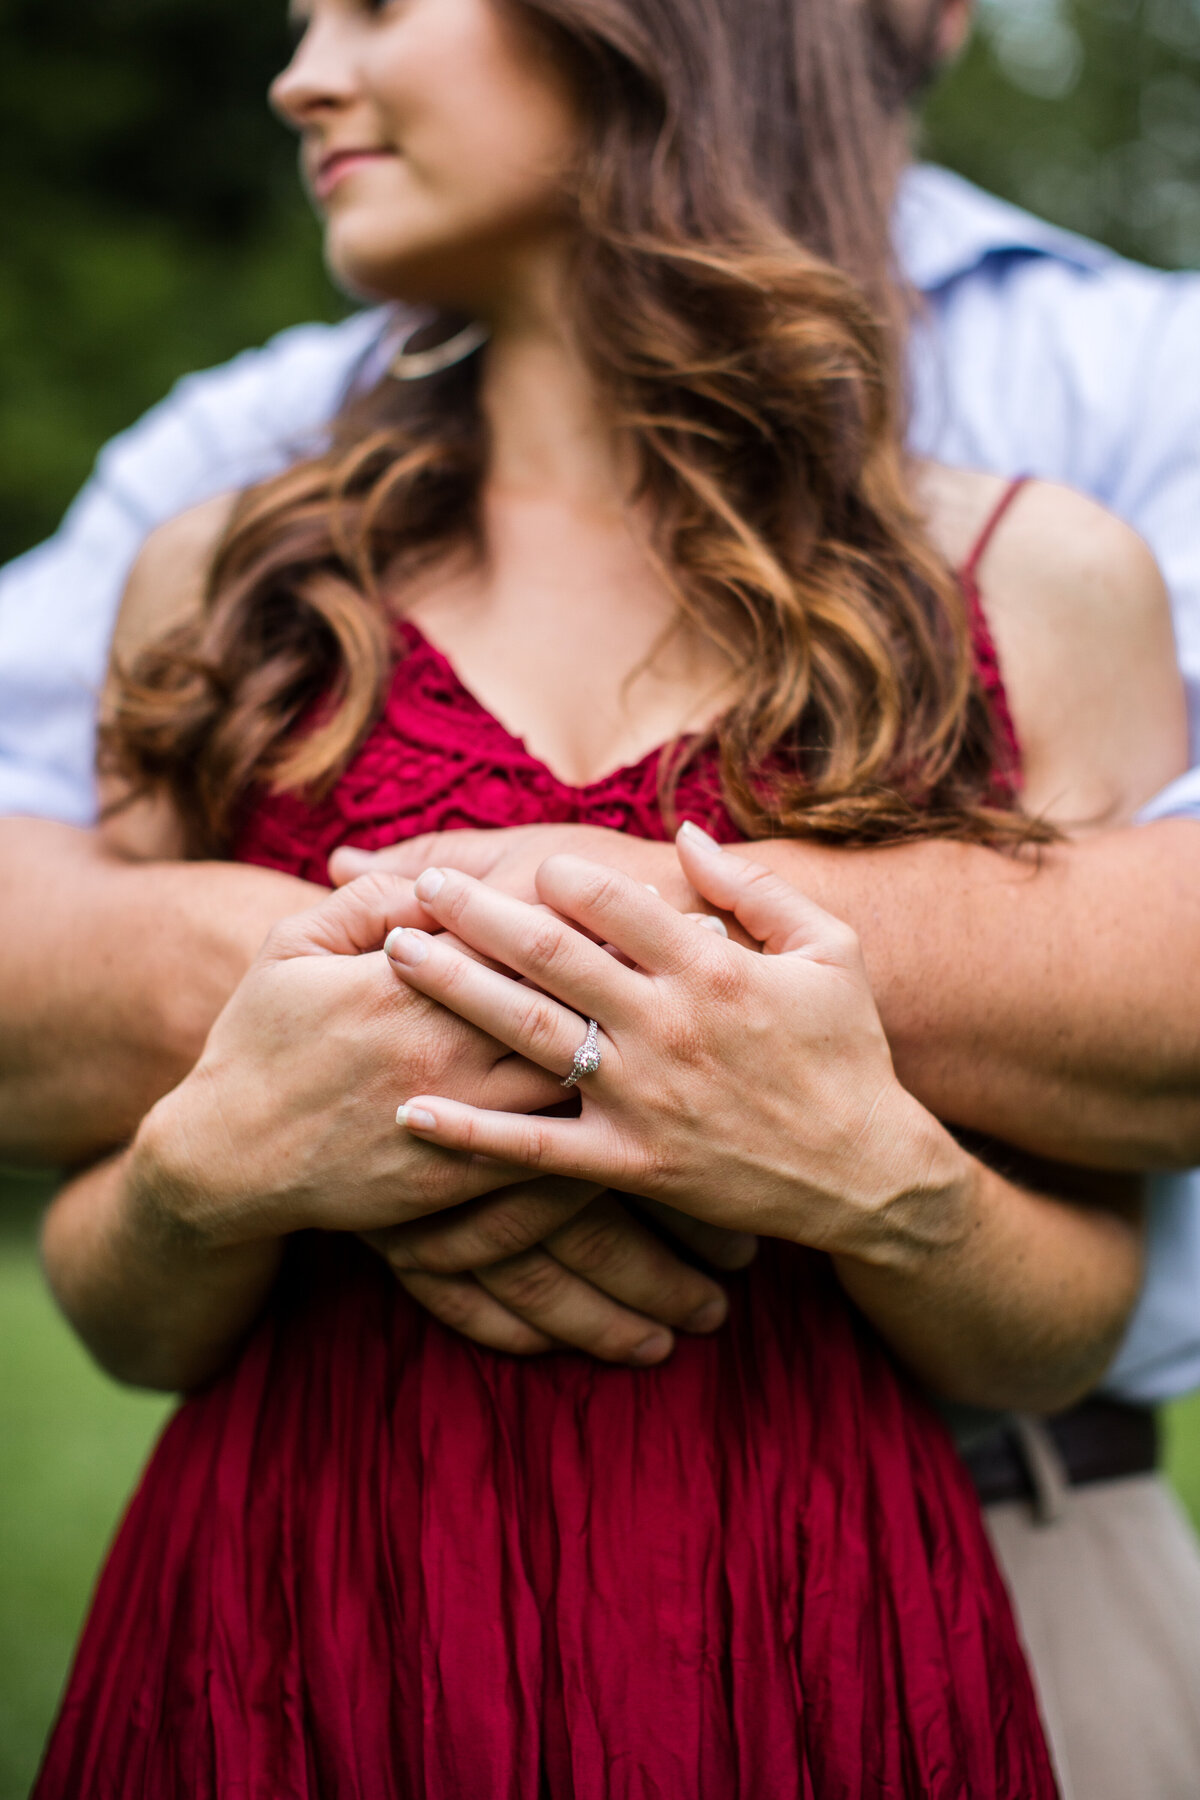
(456, 1303)
(537, 1024)
(595, 1245)
(725, 977)
(506, 1232)
(426, 1255)
(756, 877)
(602, 889)
(453, 969)
(541, 944)
(842, 941)
(529, 1283)
(377, 887)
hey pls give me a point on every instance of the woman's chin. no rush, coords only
(420, 274)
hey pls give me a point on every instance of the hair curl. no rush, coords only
(736, 302)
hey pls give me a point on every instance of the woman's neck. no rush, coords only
(551, 432)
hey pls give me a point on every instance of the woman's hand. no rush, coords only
(753, 1092)
(522, 1272)
(283, 1125)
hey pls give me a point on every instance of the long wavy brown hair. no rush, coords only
(735, 298)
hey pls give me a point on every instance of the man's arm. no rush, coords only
(111, 975)
(1054, 1004)
(1047, 1001)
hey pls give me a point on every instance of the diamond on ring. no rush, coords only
(587, 1057)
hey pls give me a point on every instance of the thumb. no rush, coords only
(351, 922)
(470, 852)
(348, 862)
(773, 912)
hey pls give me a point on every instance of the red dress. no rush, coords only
(375, 1562)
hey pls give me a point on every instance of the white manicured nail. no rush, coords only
(699, 840)
(407, 947)
(430, 884)
(710, 922)
(415, 1118)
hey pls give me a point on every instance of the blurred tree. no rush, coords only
(153, 223)
(1087, 111)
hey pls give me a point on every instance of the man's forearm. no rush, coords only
(111, 974)
(1053, 1003)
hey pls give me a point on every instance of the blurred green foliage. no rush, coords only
(1086, 111)
(152, 222)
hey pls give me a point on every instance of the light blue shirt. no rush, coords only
(1036, 353)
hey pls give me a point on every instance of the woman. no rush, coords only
(665, 504)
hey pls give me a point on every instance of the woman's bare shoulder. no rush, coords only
(167, 582)
(166, 586)
(1082, 623)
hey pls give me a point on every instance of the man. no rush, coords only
(1037, 354)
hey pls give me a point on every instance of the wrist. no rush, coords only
(920, 1202)
(170, 1198)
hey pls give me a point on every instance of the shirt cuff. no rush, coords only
(1179, 801)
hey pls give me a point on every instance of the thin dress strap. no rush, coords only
(968, 571)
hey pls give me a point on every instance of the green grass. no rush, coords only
(71, 1445)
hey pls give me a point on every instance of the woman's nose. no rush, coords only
(320, 77)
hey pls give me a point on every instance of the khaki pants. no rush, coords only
(1108, 1599)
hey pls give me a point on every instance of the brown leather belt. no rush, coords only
(1098, 1440)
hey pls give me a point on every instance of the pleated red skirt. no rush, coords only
(374, 1562)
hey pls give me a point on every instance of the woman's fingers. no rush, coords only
(531, 941)
(620, 911)
(544, 1146)
(610, 1247)
(488, 1230)
(774, 913)
(526, 1020)
(550, 1298)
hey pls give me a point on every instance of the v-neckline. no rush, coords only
(416, 639)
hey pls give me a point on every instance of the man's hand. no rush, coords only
(510, 859)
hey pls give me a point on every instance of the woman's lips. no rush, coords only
(342, 163)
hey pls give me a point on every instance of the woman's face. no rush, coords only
(438, 141)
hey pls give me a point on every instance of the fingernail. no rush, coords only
(710, 922)
(708, 1316)
(407, 946)
(430, 884)
(699, 840)
(652, 1349)
(651, 889)
(415, 1118)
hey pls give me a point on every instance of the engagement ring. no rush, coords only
(587, 1057)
